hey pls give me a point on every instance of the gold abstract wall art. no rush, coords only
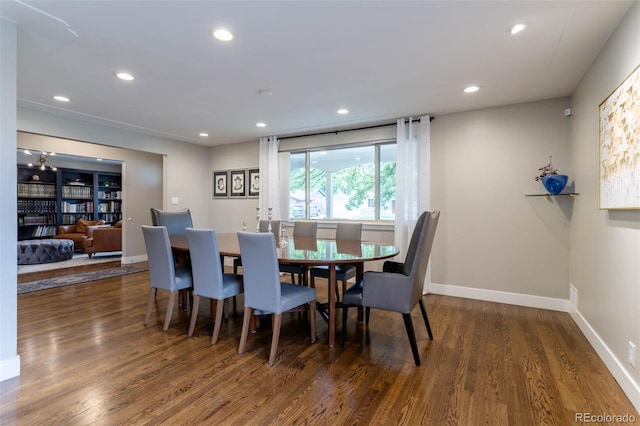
(620, 146)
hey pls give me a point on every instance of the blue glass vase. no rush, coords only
(554, 183)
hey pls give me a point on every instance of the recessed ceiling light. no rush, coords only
(61, 98)
(124, 76)
(261, 124)
(517, 28)
(203, 134)
(471, 89)
(265, 92)
(343, 111)
(222, 34)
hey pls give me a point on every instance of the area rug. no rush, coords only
(31, 286)
(78, 260)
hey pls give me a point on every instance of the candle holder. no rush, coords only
(270, 216)
(283, 236)
(257, 219)
(244, 225)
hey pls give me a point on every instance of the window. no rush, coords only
(352, 183)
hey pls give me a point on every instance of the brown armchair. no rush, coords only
(102, 239)
(77, 232)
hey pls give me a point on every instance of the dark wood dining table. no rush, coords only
(310, 252)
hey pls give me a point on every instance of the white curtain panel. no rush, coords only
(412, 179)
(269, 178)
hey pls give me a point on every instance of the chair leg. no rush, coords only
(412, 337)
(426, 318)
(216, 326)
(248, 313)
(312, 319)
(293, 278)
(313, 281)
(277, 322)
(194, 314)
(345, 309)
(367, 314)
(226, 309)
(167, 318)
(152, 297)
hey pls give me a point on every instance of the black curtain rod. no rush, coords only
(335, 132)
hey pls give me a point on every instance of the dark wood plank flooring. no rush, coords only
(87, 359)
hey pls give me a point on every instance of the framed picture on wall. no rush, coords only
(220, 184)
(619, 160)
(254, 182)
(237, 183)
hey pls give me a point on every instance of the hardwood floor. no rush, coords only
(87, 359)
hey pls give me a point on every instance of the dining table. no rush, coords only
(309, 252)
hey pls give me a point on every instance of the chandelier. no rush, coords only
(42, 160)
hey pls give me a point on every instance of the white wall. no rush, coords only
(490, 236)
(605, 249)
(9, 359)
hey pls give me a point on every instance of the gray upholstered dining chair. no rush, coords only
(345, 231)
(262, 227)
(162, 272)
(175, 221)
(209, 280)
(399, 286)
(301, 229)
(264, 291)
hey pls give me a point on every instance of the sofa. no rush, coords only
(77, 232)
(101, 239)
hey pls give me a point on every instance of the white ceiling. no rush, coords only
(380, 59)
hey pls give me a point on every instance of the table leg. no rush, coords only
(359, 277)
(332, 305)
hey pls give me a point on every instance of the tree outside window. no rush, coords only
(353, 183)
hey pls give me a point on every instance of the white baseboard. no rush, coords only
(134, 259)
(613, 364)
(629, 386)
(527, 300)
(9, 368)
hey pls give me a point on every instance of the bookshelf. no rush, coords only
(48, 198)
(109, 197)
(37, 203)
(76, 195)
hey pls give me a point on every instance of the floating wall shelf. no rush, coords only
(570, 195)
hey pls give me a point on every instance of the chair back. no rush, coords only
(162, 273)
(420, 260)
(349, 231)
(275, 226)
(261, 272)
(206, 268)
(412, 250)
(305, 228)
(176, 222)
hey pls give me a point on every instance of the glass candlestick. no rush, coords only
(270, 216)
(283, 236)
(244, 225)
(257, 219)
